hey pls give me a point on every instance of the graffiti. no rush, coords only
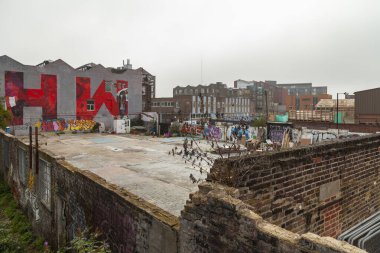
(214, 132)
(276, 131)
(32, 199)
(191, 129)
(100, 97)
(60, 125)
(16, 97)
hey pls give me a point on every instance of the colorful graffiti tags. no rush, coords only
(214, 132)
(100, 97)
(16, 97)
(60, 125)
(191, 129)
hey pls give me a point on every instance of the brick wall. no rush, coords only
(324, 189)
(358, 128)
(80, 199)
(215, 220)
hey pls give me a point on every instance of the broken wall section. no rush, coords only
(61, 200)
(215, 220)
(325, 189)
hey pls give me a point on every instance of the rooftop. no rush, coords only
(137, 163)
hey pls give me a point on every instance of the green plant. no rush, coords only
(15, 229)
(5, 117)
(175, 128)
(86, 242)
(259, 122)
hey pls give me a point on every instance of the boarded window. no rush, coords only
(21, 153)
(44, 182)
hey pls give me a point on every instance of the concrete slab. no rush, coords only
(139, 164)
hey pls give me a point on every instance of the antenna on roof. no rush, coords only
(201, 70)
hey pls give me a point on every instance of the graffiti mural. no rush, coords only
(191, 129)
(60, 125)
(214, 132)
(87, 106)
(100, 97)
(16, 97)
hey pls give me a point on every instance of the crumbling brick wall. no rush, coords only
(324, 189)
(80, 199)
(215, 220)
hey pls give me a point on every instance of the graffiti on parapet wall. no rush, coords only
(191, 129)
(60, 125)
(214, 132)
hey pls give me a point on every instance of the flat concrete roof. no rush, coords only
(139, 164)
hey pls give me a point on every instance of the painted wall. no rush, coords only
(58, 91)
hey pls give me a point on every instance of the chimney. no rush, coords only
(129, 65)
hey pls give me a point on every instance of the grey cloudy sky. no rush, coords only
(327, 42)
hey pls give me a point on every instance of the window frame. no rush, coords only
(44, 184)
(88, 104)
(22, 172)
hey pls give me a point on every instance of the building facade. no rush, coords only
(167, 109)
(55, 90)
(367, 106)
(214, 101)
(266, 96)
(303, 96)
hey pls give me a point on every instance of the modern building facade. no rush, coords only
(55, 90)
(367, 106)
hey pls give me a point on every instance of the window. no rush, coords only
(22, 171)
(90, 105)
(44, 182)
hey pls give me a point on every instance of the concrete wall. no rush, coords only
(215, 220)
(325, 189)
(80, 199)
(66, 87)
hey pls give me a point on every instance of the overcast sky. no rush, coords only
(326, 42)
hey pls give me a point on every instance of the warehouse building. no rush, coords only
(54, 90)
(367, 106)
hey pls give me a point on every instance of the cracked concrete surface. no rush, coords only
(139, 164)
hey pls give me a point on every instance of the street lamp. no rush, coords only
(337, 109)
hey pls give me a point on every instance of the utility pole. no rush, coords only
(266, 103)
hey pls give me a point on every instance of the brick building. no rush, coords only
(267, 97)
(214, 100)
(55, 90)
(167, 109)
(367, 106)
(303, 96)
(304, 101)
